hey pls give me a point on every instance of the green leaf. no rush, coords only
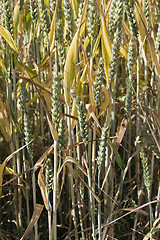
(118, 157)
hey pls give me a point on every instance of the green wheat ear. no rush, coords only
(22, 99)
(144, 160)
(68, 13)
(61, 45)
(128, 102)
(146, 9)
(81, 116)
(61, 133)
(8, 16)
(45, 25)
(49, 174)
(98, 82)
(34, 10)
(102, 146)
(28, 134)
(80, 9)
(116, 40)
(132, 22)
(112, 26)
(93, 19)
(55, 99)
(52, 4)
(146, 172)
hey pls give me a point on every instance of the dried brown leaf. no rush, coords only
(43, 188)
(36, 214)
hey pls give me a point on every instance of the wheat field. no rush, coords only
(79, 119)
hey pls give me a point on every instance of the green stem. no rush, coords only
(80, 192)
(71, 175)
(90, 197)
(54, 227)
(99, 206)
(150, 215)
(138, 123)
(49, 220)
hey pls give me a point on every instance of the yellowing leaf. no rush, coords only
(28, 71)
(83, 19)
(90, 82)
(106, 61)
(47, 100)
(52, 128)
(2, 65)
(105, 37)
(127, 30)
(2, 167)
(7, 36)
(4, 122)
(52, 31)
(16, 15)
(150, 40)
(106, 101)
(123, 52)
(3, 129)
(95, 49)
(10, 171)
(70, 68)
(70, 65)
(75, 8)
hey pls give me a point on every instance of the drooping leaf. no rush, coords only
(7, 36)
(150, 40)
(28, 71)
(3, 165)
(43, 188)
(91, 112)
(43, 157)
(9, 170)
(72, 160)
